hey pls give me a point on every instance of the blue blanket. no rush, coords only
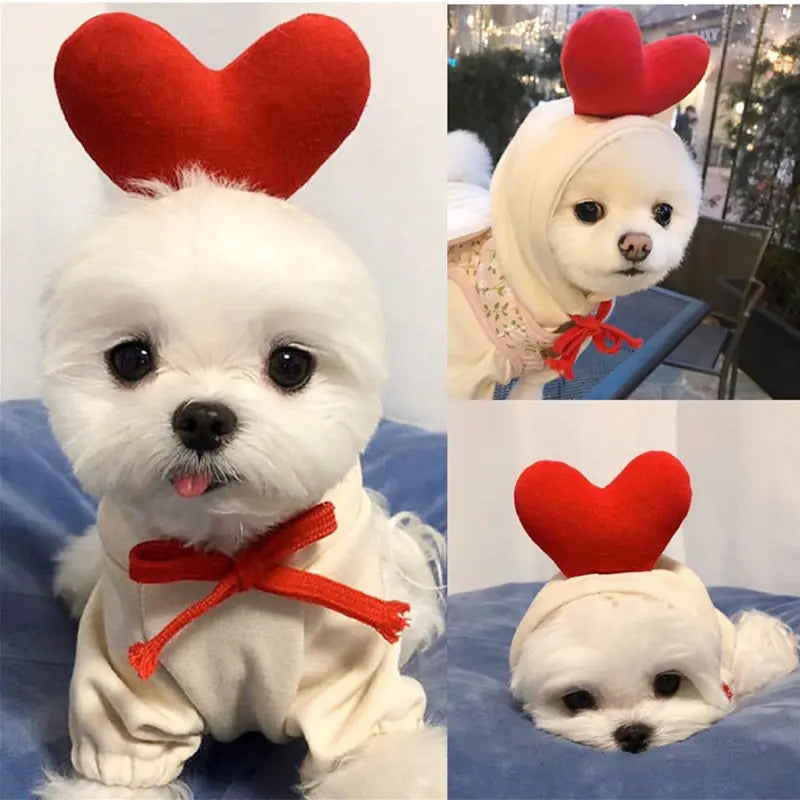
(41, 504)
(494, 751)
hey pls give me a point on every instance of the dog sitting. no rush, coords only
(613, 652)
(207, 390)
(213, 361)
(584, 206)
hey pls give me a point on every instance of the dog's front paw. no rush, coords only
(391, 766)
(78, 567)
(62, 787)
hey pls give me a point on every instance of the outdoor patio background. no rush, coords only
(503, 60)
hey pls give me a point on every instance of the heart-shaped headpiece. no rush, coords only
(622, 527)
(144, 107)
(610, 73)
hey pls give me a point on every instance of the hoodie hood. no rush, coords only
(669, 582)
(548, 149)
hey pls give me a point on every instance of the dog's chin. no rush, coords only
(616, 279)
(226, 516)
(593, 264)
(589, 257)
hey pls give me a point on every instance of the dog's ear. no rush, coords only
(144, 107)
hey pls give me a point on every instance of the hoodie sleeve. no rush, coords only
(125, 731)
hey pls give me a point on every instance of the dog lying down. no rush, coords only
(623, 649)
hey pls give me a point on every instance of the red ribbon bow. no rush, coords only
(606, 338)
(257, 567)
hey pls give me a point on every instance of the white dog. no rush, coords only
(581, 210)
(632, 662)
(213, 362)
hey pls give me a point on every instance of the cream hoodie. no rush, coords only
(669, 582)
(548, 149)
(256, 662)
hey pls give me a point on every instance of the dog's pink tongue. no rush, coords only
(191, 485)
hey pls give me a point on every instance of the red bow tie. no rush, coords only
(258, 567)
(606, 338)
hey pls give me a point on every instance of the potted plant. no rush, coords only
(491, 92)
(765, 190)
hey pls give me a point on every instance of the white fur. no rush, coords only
(614, 645)
(766, 651)
(215, 276)
(468, 159)
(411, 555)
(628, 177)
(381, 770)
(78, 570)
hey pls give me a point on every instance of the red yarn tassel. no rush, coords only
(143, 657)
(395, 621)
(727, 691)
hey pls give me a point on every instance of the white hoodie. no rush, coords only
(256, 662)
(669, 582)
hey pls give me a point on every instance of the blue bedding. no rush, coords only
(41, 504)
(494, 751)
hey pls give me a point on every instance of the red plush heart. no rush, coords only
(609, 73)
(143, 106)
(623, 527)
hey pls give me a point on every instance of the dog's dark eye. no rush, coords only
(290, 368)
(579, 701)
(662, 214)
(666, 684)
(131, 361)
(589, 211)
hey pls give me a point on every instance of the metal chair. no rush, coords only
(722, 257)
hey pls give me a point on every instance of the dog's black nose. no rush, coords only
(203, 427)
(635, 247)
(633, 738)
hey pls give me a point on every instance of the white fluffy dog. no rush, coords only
(624, 671)
(624, 648)
(213, 363)
(626, 216)
(468, 160)
(580, 211)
